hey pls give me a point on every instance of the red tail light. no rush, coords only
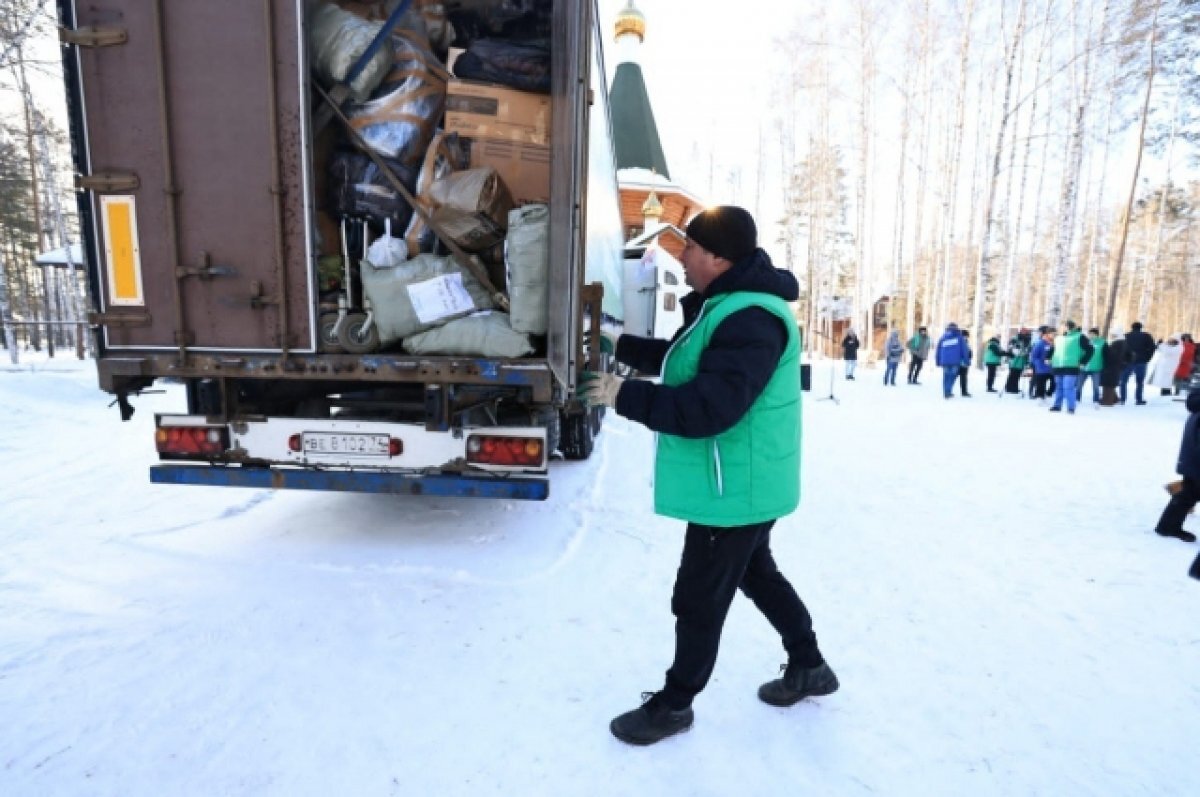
(190, 440)
(496, 450)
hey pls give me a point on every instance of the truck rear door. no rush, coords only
(194, 161)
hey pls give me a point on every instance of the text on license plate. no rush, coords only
(357, 445)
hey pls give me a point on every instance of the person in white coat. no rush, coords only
(1164, 364)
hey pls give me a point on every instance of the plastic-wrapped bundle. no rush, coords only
(527, 264)
(485, 334)
(420, 294)
(336, 40)
(357, 187)
(472, 207)
(443, 157)
(400, 118)
(518, 65)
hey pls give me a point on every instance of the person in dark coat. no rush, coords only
(850, 352)
(727, 461)
(993, 356)
(1139, 349)
(1115, 356)
(964, 368)
(1185, 498)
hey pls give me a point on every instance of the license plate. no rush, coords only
(353, 445)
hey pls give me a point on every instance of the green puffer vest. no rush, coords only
(749, 473)
(992, 357)
(1020, 352)
(1067, 351)
(1096, 364)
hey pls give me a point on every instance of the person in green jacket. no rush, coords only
(1094, 366)
(993, 355)
(727, 461)
(1018, 359)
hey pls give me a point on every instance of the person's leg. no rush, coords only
(710, 571)
(1058, 397)
(1123, 388)
(1068, 389)
(1170, 524)
(991, 377)
(918, 364)
(1012, 384)
(949, 374)
(1139, 373)
(775, 597)
(962, 379)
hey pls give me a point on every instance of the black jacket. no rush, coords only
(1139, 347)
(850, 347)
(1188, 465)
(741, 358)
(1116, 356)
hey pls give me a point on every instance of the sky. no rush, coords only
(982, 576)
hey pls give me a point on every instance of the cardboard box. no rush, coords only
(524, 168)
(481, 110)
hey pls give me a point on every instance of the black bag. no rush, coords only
(357, 187)
(524, 66)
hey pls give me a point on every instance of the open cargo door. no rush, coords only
(195, 168)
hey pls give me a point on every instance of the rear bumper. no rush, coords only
(360, 481)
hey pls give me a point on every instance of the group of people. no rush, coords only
(1060, 364)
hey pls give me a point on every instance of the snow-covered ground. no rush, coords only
(982, 573)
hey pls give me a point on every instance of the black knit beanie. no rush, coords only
(726, 231)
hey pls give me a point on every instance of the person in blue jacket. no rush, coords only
(952, 352)
(1039, 359)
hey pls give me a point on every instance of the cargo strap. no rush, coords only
(467, 261)
(339, 93)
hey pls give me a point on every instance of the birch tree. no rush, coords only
(983, 272)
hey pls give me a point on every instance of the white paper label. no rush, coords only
(439, 297)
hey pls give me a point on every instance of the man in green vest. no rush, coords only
(727, 415)
(1071, 351)
(1094, 366)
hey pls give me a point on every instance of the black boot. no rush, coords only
(651, 722)
(798, 683)
(1180, 534)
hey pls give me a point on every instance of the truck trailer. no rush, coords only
(200, 147)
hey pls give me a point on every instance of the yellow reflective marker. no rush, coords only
(124, 260)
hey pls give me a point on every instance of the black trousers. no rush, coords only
(1043, 386)
(717, 562)
(914, 368)
(963, 370)
(991, 377)
(1013, 383)
(1178, 507)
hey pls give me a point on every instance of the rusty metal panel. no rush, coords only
(200, 138)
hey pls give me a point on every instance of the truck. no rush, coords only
(194, 141)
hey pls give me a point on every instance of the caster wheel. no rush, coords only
(354, 339)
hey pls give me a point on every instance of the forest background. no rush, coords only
(997, 164)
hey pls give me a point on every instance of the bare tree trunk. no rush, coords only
(1137, 168)
(983, 272)
(1005, 299)
(951, 173)
(10, 339)
(1155, 263)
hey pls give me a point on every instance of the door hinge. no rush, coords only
(119, 319)
(93, 37)
(107, 182)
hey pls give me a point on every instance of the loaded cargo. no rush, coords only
(369, 271)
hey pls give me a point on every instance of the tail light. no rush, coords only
(190, 440)
(496, 450)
